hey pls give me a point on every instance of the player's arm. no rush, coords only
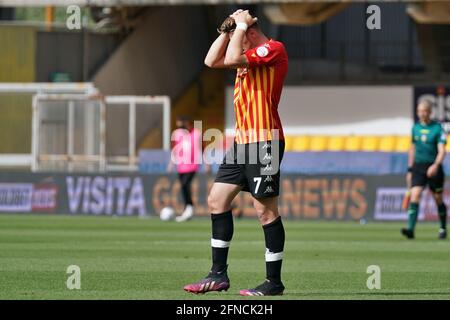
(441, 148)
(216, 54)
(432, 170)
(441, 154)
(411, 152)
(234, 56)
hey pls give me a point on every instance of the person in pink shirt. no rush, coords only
(186, 155)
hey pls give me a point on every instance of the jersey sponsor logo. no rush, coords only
(268, 179)
(269, 189)
(423, 138)
(262, 51)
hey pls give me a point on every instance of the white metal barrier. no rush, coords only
(68, 132)
(16, 88)
(129, 161)
(65, 135)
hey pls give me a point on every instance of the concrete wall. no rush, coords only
(161, 57)
(63, 51)
(17, 64)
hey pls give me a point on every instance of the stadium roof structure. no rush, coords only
(107, 3)
(287, 12)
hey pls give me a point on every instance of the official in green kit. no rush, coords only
(425, 167)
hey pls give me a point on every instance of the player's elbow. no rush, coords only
(208, 63)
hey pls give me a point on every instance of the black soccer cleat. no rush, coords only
(442, 234)
(214, 281)
(408, 233)
(267, 288)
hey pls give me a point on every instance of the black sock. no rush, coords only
(442, 209)
(274, 236)
(222, 232)
(185, 181)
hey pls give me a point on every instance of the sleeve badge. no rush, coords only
(262, 51)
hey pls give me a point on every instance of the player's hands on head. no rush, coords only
(229, 24)
(236, 12)
(244, 16)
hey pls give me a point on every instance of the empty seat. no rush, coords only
(318, 143)
(288, 143)
(369, 143)
(447, 146)
(336, 143)
(403, 143)
(387, 144)
(301, 143)
(352, 143)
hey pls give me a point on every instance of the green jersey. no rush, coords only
(426, 138)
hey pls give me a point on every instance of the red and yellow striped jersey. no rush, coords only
(257, 93)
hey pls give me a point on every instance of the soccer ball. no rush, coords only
(167, 213)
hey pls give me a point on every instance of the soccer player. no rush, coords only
(187, 149)
(425, 167)
(261, 65)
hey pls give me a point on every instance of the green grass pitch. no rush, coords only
(131, 258)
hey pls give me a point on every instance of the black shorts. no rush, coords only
(420, 178)
(255, 167)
